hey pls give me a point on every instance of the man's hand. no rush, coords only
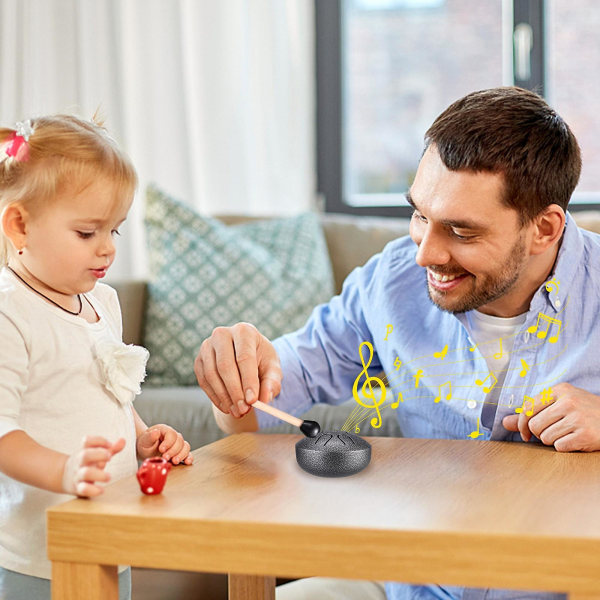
(163, 440)
(237, 366)
(571, 421)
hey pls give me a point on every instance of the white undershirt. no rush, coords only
(495, 338)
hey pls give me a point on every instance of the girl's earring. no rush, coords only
(20, 251)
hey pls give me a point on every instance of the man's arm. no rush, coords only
(238, 365)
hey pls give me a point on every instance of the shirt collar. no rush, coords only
(554, 289)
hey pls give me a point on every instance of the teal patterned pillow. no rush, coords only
(270, 273)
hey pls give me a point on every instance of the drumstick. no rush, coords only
(308, 428)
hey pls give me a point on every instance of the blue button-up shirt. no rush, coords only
(430, 359)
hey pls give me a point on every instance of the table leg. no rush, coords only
(73, 581)
(251, 587)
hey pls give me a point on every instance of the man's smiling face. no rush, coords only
(473, 247)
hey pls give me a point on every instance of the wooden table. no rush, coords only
(482, 514)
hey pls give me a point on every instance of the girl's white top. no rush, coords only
(61, 379)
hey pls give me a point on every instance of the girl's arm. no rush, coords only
(23, 459)
(140, 426)
(160, 440)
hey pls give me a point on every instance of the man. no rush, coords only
(492, 302)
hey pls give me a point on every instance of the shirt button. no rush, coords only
(557, 302)
(471, 404)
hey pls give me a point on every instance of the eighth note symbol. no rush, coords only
(525, 368)
(487, 389)
(440, 388)
(475, 434)
(549, 321)
(441, 354)
(367, 388)
(528, 411)
(398, 400)
(498, 355)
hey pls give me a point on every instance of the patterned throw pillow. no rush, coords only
(270, 273)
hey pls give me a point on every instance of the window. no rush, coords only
(572, 83)
(387, 68)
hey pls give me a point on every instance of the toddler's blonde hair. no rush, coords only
(64, 151)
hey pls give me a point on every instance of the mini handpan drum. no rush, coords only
(333, 454)
(324, 453)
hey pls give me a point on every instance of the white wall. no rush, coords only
(213, 101)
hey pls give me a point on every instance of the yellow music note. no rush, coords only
(487, 389)
(552, 284)
(528, 412)
(397, 403)
(547, 396)
(417, 377)
(549, 321)
(388, 329)
(448, 395)
(498, 355)
(525, 368)
(367, 388)
(475, 434)
(357, 429)
(441, 354)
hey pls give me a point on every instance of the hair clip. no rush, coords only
(17, 146)
(24, 129)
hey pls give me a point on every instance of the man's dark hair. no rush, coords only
(514, 132)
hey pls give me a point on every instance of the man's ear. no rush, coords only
(548, 228)
(14, 225)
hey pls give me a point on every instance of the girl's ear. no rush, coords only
(14, 225)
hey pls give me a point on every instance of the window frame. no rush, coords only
(329, 97)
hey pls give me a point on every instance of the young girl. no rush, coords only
(67, 382)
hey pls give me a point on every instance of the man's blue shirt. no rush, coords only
(429, 357)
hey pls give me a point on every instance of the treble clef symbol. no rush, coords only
(367, 389)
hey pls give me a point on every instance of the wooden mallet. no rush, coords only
(308, 428)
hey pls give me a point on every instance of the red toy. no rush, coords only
(152, 475)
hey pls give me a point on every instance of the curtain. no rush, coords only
(213, 101)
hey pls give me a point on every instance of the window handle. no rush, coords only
(522, 46)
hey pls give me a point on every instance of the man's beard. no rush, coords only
(491, 289)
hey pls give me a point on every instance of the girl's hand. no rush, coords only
(84, 470)
(162, 440)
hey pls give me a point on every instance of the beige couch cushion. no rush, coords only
(351, 240)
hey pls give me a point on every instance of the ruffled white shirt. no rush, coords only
(61, 378)
(122, 368)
